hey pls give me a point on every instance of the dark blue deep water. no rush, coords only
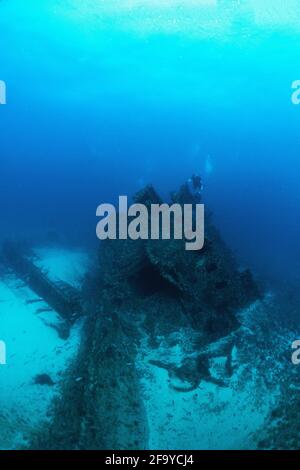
(103, 97)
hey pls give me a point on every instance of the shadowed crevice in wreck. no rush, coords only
(149, 281)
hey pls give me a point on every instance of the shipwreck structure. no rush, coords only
(59, 295)
(145, 290)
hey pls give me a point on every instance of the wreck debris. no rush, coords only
(101, 405)
(60, 296)
(195, 367)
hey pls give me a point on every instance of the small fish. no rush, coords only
(33, 301)
(43, 379)
(44, 309)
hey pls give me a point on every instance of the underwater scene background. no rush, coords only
(141, 345)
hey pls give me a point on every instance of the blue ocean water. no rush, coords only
(103, 97)
(106, 96)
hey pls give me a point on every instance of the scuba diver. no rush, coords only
(190, 192)
(195, 188)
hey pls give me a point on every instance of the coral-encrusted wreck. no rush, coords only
(145, 290)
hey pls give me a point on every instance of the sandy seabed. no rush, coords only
(33, 347)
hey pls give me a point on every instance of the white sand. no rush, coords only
(209, 417)
(33, 348)
(69, 266)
